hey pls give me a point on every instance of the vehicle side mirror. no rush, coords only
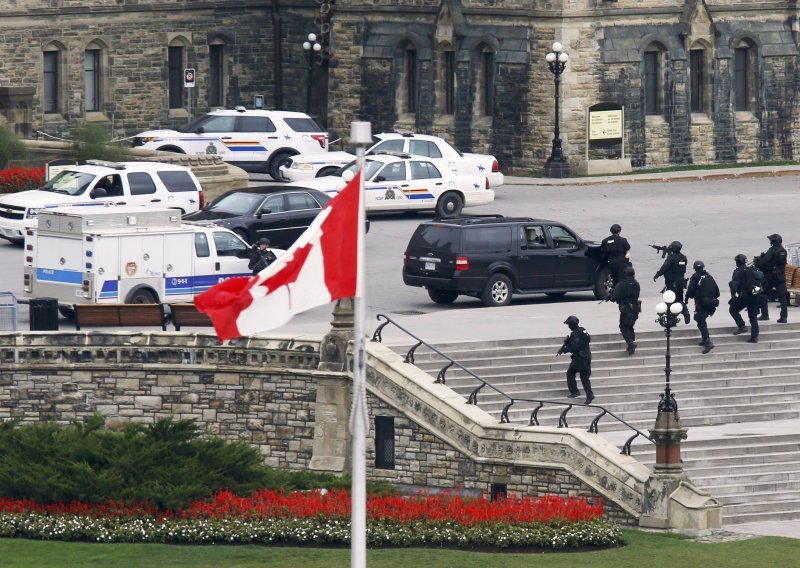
(379, 179)
(98, 192)
(264, 211)
(348, 175)
(199, 130)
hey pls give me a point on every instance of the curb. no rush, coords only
(667, 177)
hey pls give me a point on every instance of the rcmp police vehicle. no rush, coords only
(126, 254)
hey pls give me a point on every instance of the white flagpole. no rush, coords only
(361, 135)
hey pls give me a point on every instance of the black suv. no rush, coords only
(492, 257)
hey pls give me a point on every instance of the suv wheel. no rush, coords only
(497, 291)
(449, 205)
(273, 167)
(603, 283)
(442, 296)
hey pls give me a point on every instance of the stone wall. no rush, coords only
(269, 393)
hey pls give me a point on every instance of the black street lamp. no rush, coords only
(556, 165)
(311, 46)
(668, 313)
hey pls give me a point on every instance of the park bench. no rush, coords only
(189, 315)
(120, 315)
(793, 283)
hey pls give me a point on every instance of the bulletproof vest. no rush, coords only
(678, 268)
(614, 244)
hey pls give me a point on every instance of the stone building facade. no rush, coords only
(701, 81)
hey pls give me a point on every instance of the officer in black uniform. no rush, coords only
(577, 343)
(705, 292)
(614, 248)
(773, 264)
(260, 256)
(674, 272)
(626, 295)
(742, 297)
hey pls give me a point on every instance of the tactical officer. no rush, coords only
(705, 292)
(744, 296)
(614, 248)
(577, 343)
(626, 295)
(260, 256)
(674, 272)
(773, 264)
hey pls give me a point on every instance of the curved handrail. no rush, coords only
(473, 396)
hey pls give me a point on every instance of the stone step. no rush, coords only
(743, 492)
(791, 505)
(704, 476)
(768, 515)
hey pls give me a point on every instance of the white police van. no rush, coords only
(126, 254)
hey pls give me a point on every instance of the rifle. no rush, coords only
(663, 250)
(563, 347)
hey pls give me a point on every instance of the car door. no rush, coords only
(272, 220)
(255, 138)
(143, 190)
(426, 185)
(574, 268)
(231, 255)
(536, 259)
(217, 131)
(301, 209)
(386, 190)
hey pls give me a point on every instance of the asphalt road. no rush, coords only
(715, 220)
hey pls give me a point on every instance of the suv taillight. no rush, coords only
(321, 138)
(487, 183)
(462, 263)
(405, 258)
(495, 166)
(202, 199)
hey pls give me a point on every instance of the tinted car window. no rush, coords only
(228, 245)
(389, 146)
(141, 183)
(275, 204)
(487, 239)
(177, 181)
(255, 124)
(425, 148)
(201, 248)
(298, 201)
(424, 170)
(562, 238)
(218, 124)
(441, 238)
(112, 184)
(303, 124)
(236, 203)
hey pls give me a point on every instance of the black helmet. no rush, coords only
(263, 241)
(775, 239)
(615, 229)
(740, 259)
(629, 271)
(675, 246)
(572, 320)
(699, 265)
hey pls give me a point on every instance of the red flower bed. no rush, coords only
(21, 179)
(336, 504)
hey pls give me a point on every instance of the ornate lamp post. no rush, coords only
(311, 46)
(556, 165)
(667, 432)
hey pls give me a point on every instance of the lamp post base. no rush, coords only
(556, 169)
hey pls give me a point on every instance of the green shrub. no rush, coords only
(94, 143)
(11, 148)
(167, 463)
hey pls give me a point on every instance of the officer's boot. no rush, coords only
(707, 345)
(631, 347)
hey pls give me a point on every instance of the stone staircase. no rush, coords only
(740, 402)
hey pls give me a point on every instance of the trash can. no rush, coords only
(44, 314)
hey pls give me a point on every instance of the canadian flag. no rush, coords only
(320, 267)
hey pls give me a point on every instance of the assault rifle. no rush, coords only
(663, 250)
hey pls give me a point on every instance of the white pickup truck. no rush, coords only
(126, 254)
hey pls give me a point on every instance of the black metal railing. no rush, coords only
(511, 400)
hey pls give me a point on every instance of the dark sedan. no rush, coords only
(280, 213)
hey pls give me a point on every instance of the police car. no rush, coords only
(254, 140)
(400, 182)
(308, 166)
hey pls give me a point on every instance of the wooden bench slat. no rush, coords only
(188, 314)
(120, 315)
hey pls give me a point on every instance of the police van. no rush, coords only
(126, 254)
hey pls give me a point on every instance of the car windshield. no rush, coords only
(194, 125)
(69, 182)
(370, 165)
(237, 203)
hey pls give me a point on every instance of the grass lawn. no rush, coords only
(643, 550)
